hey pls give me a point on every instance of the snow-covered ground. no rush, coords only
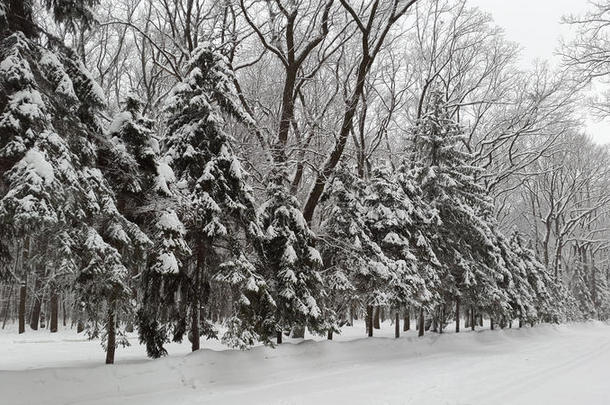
(547, 364)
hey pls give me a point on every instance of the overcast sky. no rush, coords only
(535, 25)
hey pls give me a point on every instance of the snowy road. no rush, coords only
(542, 365)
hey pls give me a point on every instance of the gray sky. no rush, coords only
(535, 25)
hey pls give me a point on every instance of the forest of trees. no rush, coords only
(276, 166)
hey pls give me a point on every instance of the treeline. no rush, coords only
(158, 213)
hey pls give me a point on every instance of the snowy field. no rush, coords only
(542, 365)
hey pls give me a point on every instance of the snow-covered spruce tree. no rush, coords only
(551, 301)
(389, 218)
(421, 232)
(141, 180)
(580, 284)
(350, 257)
(463, 236)
(522, 299)
(291, 262)
(600, 292)
(215, 203)
(52, 185)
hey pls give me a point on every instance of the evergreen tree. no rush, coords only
(351, 258)
(290, 260)
(215, 204)
(55, 196)
(463, 238)
(390, 220)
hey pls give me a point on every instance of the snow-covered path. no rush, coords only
(541, 365)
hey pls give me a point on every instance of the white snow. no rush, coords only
(541, 365)
(119, 120)
(168, 221)
(167, 263)
(35, 159)
(290, 256)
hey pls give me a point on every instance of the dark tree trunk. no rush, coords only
(369, 320)
(397, 325)
(491, 323)
(35, 316)
(329, 335)
(22, 297)
(520, 322)
(457, 315)
(111, 336)
(64, 313)
(441, 320)
(473, 321)
(54, 310)
(80, 326)
(421, 322)
(407, 321)
(480, 317)
(195, 326)
(376, 323)
(278, 337)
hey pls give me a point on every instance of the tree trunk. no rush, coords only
(195, 326)
(22, 297)
(397, 325)
(278, 337)
(7, 307)
(491, 323)
(441, 321)
(369, 320)
(407, 321)
(35, 316)
(457, 314)
(421, 322)
(110, 336)
(473, 321)
(329, 335)
(64, 313)
(54, 310)
(376, 323)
